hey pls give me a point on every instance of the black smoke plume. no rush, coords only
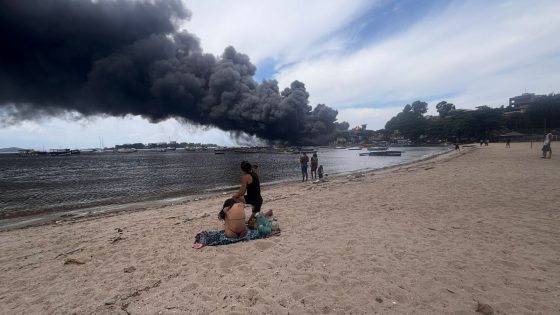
(120, 57)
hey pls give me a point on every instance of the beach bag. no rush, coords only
(263, 225)
(274, 224)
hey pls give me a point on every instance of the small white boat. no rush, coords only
(355, 148)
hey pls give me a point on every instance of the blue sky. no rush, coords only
(367, 59)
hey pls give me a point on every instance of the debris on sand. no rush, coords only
(73, 261)
(484, 309)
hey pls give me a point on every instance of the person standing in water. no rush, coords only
(303, 160)
(250, 184)
(314, 165)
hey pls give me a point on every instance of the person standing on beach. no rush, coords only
(303, 160)
(314, 165)
(507, 143)
(251, 185)
(546, 146)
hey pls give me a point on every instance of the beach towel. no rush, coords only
(214, 238)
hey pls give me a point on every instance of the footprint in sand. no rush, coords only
(190, 287)
(229, 262)
(263, 245)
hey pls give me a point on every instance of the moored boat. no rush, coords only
(377, 148)
(382, 153)
(59, 152)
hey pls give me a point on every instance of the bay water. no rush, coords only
(51, 184)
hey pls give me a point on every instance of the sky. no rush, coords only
(366, 59)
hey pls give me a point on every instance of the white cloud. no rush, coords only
(86, 133)
(375, 118)
(284, 31)
(482, 53)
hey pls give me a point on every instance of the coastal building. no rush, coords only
(522, 102)
(358, 135)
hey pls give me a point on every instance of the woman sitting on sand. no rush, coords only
(251, 185)
(233, 215)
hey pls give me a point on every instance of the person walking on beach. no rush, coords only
(303, 160)
(314, 165)
(251, 185)
(507, 143)
(546, 146)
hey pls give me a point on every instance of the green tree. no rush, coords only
(419, 107)
(443, 108)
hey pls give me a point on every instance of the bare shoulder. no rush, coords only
(248, 178)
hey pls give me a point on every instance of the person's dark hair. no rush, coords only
(246, 167)
(315, 154)
(227, 204)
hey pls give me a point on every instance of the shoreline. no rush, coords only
(442, 236)
(54, 217)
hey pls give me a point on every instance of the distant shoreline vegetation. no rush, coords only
(538, 117)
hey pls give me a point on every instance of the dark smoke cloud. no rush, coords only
(119, 57)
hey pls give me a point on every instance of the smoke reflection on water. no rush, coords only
(33, 185)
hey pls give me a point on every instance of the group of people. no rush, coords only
(316, 169)
(233, 209)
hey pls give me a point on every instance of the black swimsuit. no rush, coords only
(253, 196)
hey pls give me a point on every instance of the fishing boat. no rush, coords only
(60, 152)
(377, 148)
(382, 153)
(30, 152)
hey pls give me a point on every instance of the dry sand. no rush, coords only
(435, 237)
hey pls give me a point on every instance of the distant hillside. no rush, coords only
(8, 150)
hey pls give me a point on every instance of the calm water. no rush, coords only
(31, 185)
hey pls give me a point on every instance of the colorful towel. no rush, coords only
(214, 238)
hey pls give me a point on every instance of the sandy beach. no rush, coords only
(435, 237)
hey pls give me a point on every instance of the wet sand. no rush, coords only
(433, 237)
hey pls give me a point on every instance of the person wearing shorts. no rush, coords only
(314, 165)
